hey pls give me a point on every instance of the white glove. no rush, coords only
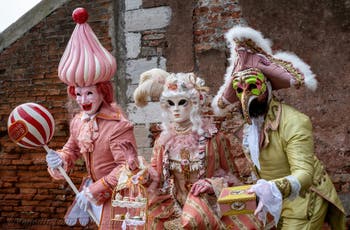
(82, 201)
(270, 200)
(53, 160)
(76, 214)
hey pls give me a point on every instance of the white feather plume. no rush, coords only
(151, 85)
(309, 77)
(244, 33)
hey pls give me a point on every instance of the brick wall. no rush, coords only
(211, 20)
(179, 36)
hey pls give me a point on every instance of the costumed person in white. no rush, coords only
(192, 160)
(292, 184)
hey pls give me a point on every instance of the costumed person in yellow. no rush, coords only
(192, 160)
(100, 133)
(292, 184)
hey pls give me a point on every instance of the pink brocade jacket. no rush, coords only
(105, 142)
(172, 206)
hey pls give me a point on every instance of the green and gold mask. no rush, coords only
(249, 81)
(248, 85)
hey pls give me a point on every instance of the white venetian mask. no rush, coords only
(180, 109)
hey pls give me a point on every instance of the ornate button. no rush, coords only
(238, 205)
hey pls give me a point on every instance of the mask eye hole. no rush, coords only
(170, 102)
(89, 93)
(239, 90)
(251, 87)
(182, 102)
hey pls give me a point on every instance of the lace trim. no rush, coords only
(128, 204)
(195, 163)
(177, 166)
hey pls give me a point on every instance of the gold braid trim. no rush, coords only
(284, 186)
(298, 77)
(221, 103)
(174, 224)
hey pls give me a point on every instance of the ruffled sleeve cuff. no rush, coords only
(99, 192)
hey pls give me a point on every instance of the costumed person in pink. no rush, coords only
(192, 161)
(291, 183)
(100, 133)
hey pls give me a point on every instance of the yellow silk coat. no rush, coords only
(286, 148)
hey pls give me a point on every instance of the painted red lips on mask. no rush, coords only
(87, 107)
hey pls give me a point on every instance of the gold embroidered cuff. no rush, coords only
(284, 186)
(106, 184)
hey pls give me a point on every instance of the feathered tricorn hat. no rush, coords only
(157, 83)
(249, 49)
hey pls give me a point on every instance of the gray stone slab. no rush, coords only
(149, 114)
(132, 4)
(133, 44)
(135, 67)
(147, 19)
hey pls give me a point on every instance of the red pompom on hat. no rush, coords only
(80, 15)
(85, 62)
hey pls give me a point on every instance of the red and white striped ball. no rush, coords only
(30, 125)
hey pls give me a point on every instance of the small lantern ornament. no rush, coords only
(131, 197)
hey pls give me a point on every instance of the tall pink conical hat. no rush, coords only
(85, 61)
